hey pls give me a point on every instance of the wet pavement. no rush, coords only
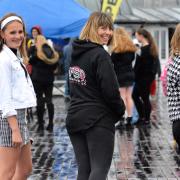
(144, 152)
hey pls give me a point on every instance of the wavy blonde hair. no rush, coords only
(122, 41)
(96, 20)
(40, 40)
(22, 48)
(175, 41)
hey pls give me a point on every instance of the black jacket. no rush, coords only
(145, 66)
(41, 72)
(95, 98)
(123, 68)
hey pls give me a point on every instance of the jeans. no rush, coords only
(93, 150)
(66, 86)
(135, 115)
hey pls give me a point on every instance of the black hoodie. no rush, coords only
(95, 98)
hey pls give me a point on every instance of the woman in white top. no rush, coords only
(16, 95)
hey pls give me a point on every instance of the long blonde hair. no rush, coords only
(22, 48)
(96, 20)
(122, 41)
(39, 42)
(175, 41)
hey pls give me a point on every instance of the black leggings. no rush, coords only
(42, 90)
(176, 131)
(44, 95)
(93, 150)
(140, 96)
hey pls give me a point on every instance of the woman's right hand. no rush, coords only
(16, 138)
(16, 134)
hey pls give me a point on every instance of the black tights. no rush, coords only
(140, 96)
(93, 150)
(176, 131)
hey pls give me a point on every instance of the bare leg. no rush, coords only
(8, 159)
(129, 101)
(24, 164)
(123, 94)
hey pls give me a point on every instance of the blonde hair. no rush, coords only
(122, 41)
(175, 41)
(22, 48)
(40, 41)
(96, 20)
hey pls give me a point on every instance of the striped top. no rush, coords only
(173, 88)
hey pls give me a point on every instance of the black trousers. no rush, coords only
(93, 150)
(44, 95)
(140, 96)
(176, 131)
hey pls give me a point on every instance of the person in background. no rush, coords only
(135, 115)
(67, 52)
(173, 86)
(145, 70)
(35, 30)
(16, 95)
(95, 104)
(123, 54)
(44, 60)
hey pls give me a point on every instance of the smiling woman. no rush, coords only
(14, 35)
(16, 94)
(96, 104)
(98, 29)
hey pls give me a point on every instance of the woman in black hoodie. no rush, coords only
(95, 104)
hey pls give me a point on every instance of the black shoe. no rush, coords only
(67, 99)
(147, 122)
(120, 124)
(40, 128)
(140, 121)
(50, 127)
(128, 121)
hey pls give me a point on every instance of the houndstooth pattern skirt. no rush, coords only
(6, 133)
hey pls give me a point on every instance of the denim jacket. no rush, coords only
(16, 90)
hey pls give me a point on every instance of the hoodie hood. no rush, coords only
(82, 46)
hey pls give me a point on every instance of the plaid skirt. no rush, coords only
(6, 132)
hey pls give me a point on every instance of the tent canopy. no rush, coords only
(57, 18)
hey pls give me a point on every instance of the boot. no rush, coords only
(120, 124)
(50, 108)
(40, 116)
(128, 121)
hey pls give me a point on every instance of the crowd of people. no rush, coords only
(107, 77)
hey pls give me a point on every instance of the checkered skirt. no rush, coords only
(6, 133)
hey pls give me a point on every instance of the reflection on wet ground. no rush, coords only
(143, 152)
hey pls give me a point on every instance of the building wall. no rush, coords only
(154, 3)
(93, 5)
